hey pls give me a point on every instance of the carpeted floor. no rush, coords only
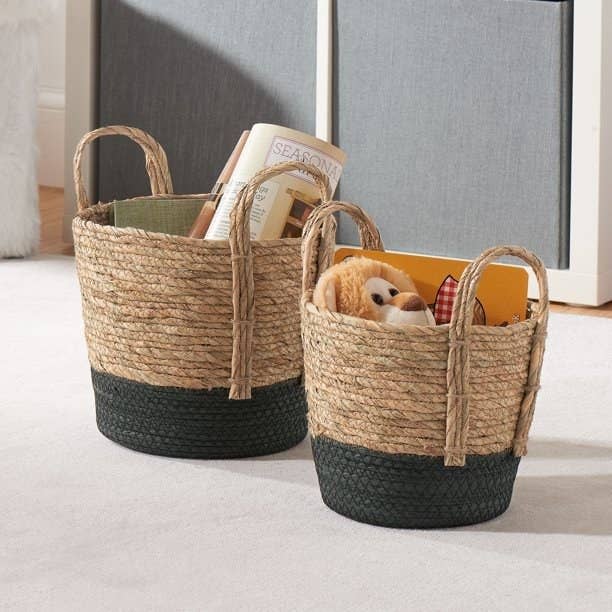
(88, 525)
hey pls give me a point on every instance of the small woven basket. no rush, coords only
(418, 426)
(194, 344)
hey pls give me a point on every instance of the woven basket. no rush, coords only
(418, 426)
(194, 344)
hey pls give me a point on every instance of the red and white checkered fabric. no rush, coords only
(443, 307)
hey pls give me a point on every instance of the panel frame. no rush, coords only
(81, 94)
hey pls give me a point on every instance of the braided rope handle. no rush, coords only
(243, 286)
(156, 162)
(319, 238)
(458, 371)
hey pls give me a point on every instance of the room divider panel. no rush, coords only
(456, 119)
(196, 74)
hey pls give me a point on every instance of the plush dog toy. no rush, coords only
(372, 290)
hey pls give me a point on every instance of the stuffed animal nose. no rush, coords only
(409, 302)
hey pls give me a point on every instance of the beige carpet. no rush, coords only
(88, 525)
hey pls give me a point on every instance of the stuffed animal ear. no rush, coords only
(324, 295)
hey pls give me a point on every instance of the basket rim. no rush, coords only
(83, 219)
(408, 330)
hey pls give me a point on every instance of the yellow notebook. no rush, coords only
(502, 293)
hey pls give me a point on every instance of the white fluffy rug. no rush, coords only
(19, 33)
(87, 524)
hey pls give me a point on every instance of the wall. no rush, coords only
(51, 98)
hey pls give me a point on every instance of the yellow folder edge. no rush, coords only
(502, 290)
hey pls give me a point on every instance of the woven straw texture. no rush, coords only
(195, 423)
(446, 391)
(174, 311)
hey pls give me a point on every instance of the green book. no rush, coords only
(168, 216)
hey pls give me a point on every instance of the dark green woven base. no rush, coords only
(412, 491)
(198, 423)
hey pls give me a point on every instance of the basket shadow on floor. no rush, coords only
(293, 466)
(560, 503)
(571, 504)
(576, 504)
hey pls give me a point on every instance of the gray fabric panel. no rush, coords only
(455, 117)
(195, 74)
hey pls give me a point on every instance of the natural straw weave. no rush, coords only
(183, 312)
(451, 390)
(156, 162)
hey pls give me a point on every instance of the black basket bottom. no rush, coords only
(412, 491)
(202, 424)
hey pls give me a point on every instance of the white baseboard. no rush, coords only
(573, 287)
(51, 122)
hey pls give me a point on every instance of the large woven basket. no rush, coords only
(194, 344)
(418, 426)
